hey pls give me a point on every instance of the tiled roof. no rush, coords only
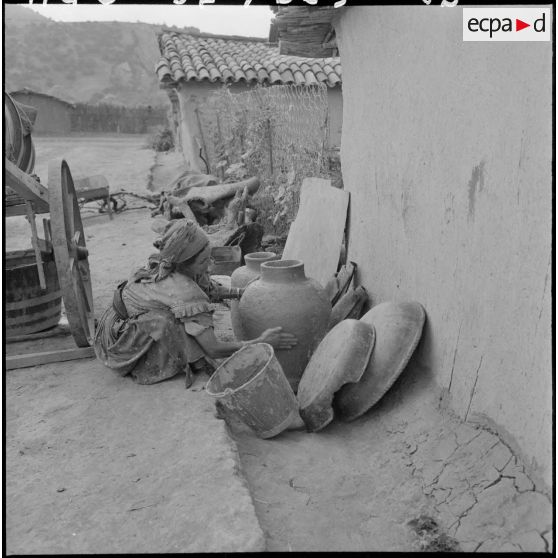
(189, 57)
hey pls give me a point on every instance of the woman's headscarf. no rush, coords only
(182, 239)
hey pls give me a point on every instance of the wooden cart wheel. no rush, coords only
(70, 253)
(13, 132)
(27, 163)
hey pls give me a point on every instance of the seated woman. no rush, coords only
(160, 323)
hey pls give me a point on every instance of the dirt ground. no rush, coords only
(404, 477)
(407, 476)
(94, 462)
(124, 159)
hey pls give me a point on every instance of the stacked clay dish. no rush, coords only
(357, 362)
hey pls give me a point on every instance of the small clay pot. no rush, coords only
(284, 296)
(240, 277)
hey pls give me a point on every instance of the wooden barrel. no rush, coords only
(28, 308)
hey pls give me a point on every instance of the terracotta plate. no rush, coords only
(341, 357)
(398, 328)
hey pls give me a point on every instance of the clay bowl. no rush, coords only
(398, 328)
(341, 357)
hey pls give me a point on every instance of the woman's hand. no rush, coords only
(276, 339)
(215, 348)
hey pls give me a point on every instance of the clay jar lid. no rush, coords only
(398, 328)
(341, 357)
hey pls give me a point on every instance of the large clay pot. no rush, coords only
(240, 277)
(284, 296)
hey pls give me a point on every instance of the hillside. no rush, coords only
(81, 62)
(20, 15)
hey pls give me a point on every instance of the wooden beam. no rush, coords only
(60, 329)
(15, 210)
(35, 244)
(43, 245)
(26, 186)
(34, 359)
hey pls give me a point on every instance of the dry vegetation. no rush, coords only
(278, 134)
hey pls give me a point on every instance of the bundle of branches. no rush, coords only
(200, 197)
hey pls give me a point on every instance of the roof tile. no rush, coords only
(287, 76)
(251, 75)
(275, 77)
(191, 74)
(226, 74)
(193, 57)
(214, 73)
(262, 75)
(310, 78)
(299, 77)
(203, 74)
(321, 77)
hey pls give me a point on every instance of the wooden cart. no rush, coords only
(63, 235)
(64, 239)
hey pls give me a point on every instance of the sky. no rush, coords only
(250, 21)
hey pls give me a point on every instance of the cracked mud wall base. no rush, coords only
(356, 486)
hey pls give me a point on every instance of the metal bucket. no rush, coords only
(28, 308)
(252, 384)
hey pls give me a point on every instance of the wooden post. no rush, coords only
(270, 147)
(242, 209)
(35, 243)
(221, 148)
(35, 359)
(27, 187)
(207, 169)
(109, 206)
(46, 230)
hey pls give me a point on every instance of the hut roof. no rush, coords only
(26, 91)
(305, 31)
(215, 58)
